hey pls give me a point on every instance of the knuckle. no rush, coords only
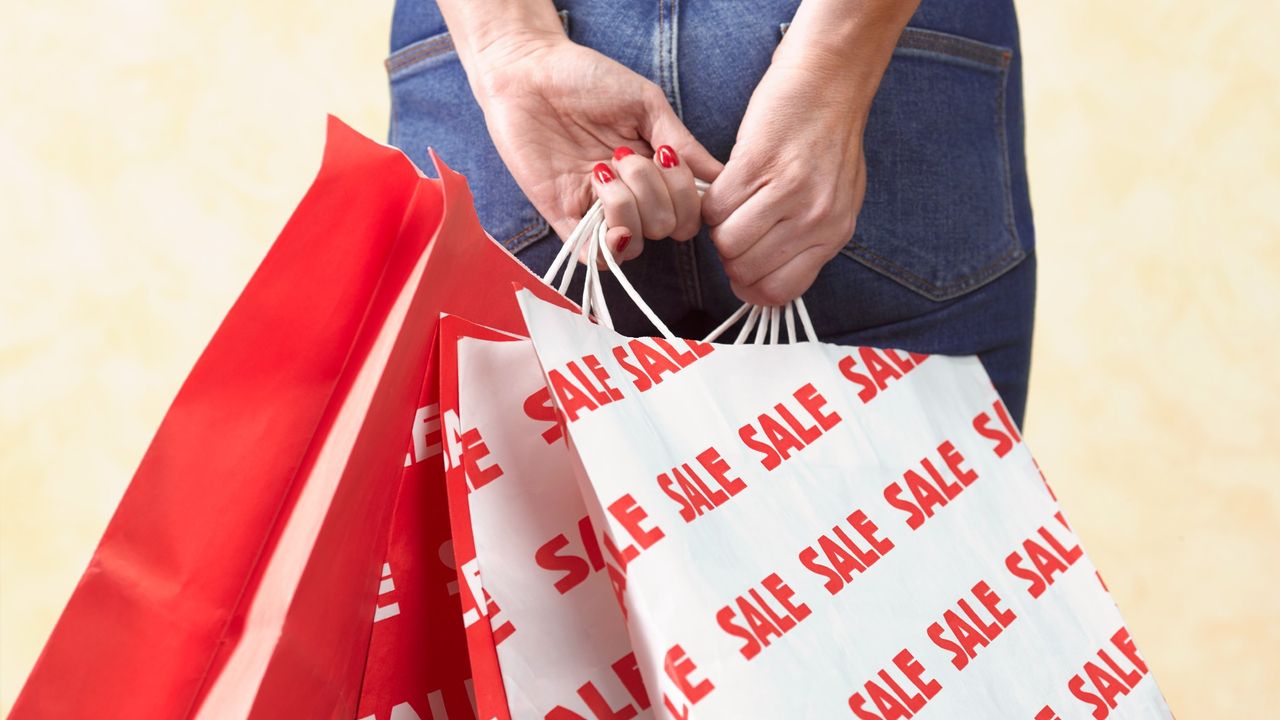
(723, 243)
(775, 290)
(664, 223)
(735, 272)
(686, 230)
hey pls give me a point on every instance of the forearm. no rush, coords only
(485, 32)
(846, 46)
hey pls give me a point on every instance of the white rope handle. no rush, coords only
(590, 233)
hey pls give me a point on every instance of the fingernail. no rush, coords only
(603, 173)
(667, 157)
(623, 242)
(621, 152)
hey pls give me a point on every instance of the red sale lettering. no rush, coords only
(427, 438)
(1005, 436)
(600, 395)
(538, 407)
(783, 432)
(886, 695)
(647, 364)
(587, 390)
(845, 556)
(882, 366)
(573, 399)
(932, 492)
(618, 580)
(573, 569)
(1047, 555)
(477, 605)
(501, 629)
(599, 706)
(473, 451)
(1047, 713)
(759, 618)
(630, 515)
(627, 671)
(602, 376)
(1101, 684)
(966, 632)
(680, 712)
(694, 496)
(680, 668)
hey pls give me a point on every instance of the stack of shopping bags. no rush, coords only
(408, 479)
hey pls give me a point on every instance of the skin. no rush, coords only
(783, 205)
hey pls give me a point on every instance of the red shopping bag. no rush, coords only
(417, 664)
(215, 589)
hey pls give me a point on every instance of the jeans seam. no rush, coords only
(686, 260)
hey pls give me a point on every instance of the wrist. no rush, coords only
(504, 62)
(488, 35)
(844, 47)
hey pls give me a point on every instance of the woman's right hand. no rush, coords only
(563, 116)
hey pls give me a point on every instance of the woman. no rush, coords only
(867, 154)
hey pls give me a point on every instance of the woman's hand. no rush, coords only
(558, 112)
(789, 196)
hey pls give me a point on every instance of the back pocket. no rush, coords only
(432, 106)
(938, 212)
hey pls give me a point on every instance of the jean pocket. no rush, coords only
(432, 106)
(938, 213)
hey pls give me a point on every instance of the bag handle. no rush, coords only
(765, 321)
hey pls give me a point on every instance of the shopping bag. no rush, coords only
(416, 664)
(815, 531)
(235, 576)
(545, 634)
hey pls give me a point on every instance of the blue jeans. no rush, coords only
(942, 260)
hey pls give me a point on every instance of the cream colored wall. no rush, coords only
(149, 152)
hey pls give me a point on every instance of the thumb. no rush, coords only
(663, 127)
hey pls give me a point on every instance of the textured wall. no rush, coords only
(149, 151)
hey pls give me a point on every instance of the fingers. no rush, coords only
(620, 211)
(649, 193)
(684, 195)
(772, 251)
(745, 225)
(729, 191)
(655, 197)
(662, 125)
(619, 241)
(786, 283)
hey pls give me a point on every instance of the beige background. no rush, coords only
(150, 151)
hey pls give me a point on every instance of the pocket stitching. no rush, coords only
(990, 57)
(915, 41)
(417, 52)
(896, 272)
(526, 236)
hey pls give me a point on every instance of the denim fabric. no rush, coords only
(942, 260)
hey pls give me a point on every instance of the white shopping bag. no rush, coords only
(544, 630)
(816, 531)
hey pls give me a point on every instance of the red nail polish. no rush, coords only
(667, 157)
(623, 242)
(603, 173)
(621, 152)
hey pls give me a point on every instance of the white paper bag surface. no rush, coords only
(562, 647)
(817, 531)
